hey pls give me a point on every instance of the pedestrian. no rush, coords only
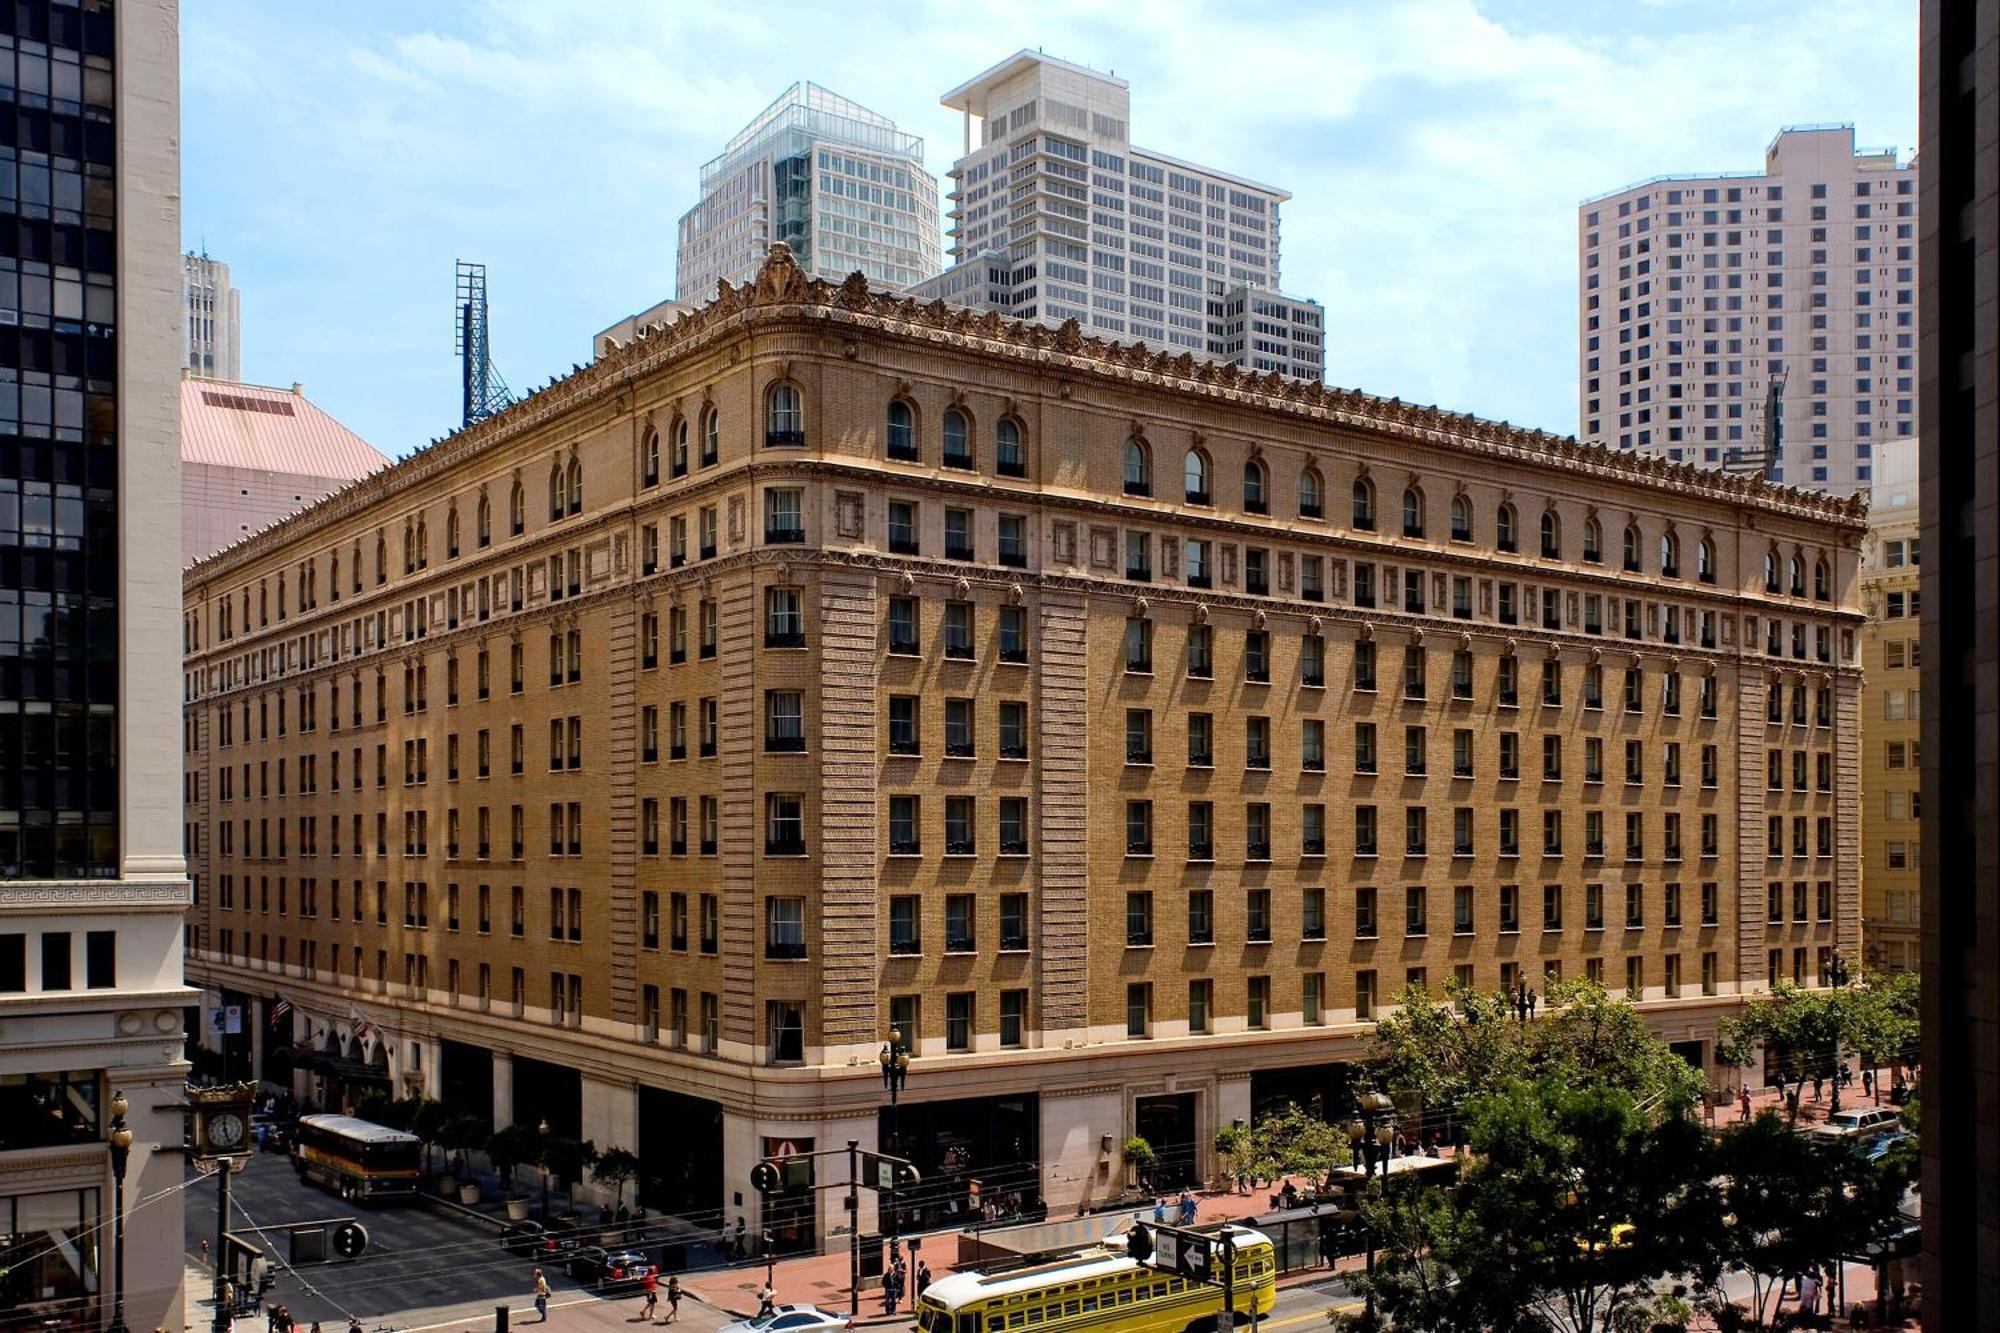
(541, 1297)
(1188, 1208)
(890, 1291)
(315, 1326)
(736, 1248)
(767, 1299)
(1809, 1292)
(1160, 1210)
(923, 1279)
(353, 1324)
(1867, 1082)
(652, 1306)
(1819, 1080)
(1708, 1100)
(1778, 1085)
(673, 1298)
(271, 1318)
(1743, 1100)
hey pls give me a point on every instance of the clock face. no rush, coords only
(225, 1131)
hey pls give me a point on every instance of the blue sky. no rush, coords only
(341, 157)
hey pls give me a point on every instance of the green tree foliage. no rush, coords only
(1812, 1029)
(565, 1158)
(615, 1167)
(427, 1121)
(1787, 1202)
(511, 1147)
(1293, 1142)
(1586, 1035)
(462, 1132)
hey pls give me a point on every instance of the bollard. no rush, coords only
(499, 1319)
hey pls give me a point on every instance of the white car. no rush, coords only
(1863, 1122)
(790, 1319)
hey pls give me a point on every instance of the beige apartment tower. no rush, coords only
(1892, 716)
(1128, 730)
(1711, 305)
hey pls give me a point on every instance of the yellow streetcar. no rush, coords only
(1102, 1290)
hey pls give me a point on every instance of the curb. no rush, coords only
(447, 1205)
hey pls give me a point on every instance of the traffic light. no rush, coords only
(1139, 1243)
(764, 1178)
(349, 1240)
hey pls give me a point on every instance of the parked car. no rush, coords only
(548, 1244)
(1861, 1122)
(612, 1272)
(1882, 1146)
(790, 1319)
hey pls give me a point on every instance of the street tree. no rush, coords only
(1294, 1142)
(565, 1157)
(1441, 1050)
(427, 1121)
(1809, 1029)
(1787, 1203)
(1415, 1286)
(616, 1167)
(1585, 1034)
(512, 1147)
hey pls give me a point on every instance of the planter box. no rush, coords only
(517, 1210)
(468, 1193)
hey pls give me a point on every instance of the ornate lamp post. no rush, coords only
(120, 1141)
(895, 1059)
(543, 1130)
(1372, 1140)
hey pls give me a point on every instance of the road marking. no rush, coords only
(1289, 1320)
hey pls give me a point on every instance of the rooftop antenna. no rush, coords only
(483, 392)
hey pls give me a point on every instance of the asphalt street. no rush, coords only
(427, 1270)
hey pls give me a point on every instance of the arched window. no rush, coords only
(677, 459)
(1254, 499)
(1138, 467)
(1009, 459)
(957, 439)
(423, 545)
(1771, 583)
(575, 475)
(1413, 512)
(1506, 528)
(711, 437)
(409, 547)
(451, 533)
(1461, 519)
(281, 596)
(1796, 571)
(649, 458)
(333, 573)
(381, 565)
(483, 522)
(1311, 494)
(1822, 580)
(356, 566)
(556, 489)
(1593, 541)
(1631, 545)
(1704, 560)
(1552, 538)
(784, 416)
(1670, 556)
(902, 432)
(1364, 504)
(517, 509)
(1196, 470)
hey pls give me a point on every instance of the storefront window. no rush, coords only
(47, 1110)
(48, 1260)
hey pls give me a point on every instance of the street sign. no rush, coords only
(350, 1239)
(887, 1173)
(1182, 1254)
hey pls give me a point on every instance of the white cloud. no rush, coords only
(1436, 151)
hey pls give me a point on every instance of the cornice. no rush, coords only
(782, 293)
(88, 895)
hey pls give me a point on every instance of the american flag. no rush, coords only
(279, 1010)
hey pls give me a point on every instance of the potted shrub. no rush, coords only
(615, 1167)
(1139, 1159)
(459, 1135)
(1231, 1142)
(509, 1148)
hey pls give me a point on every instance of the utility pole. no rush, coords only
(223, 1321)
(1227, 1319)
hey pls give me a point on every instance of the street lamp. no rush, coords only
(543, 1130)
(1372, 1140)
(895, 1060)
(1525, 1001)
(1839, 972)
(120, 1141)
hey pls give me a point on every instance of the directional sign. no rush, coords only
(1182, 1254)
(350, 1239)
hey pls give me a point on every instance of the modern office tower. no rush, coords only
(93, 886)
(1125, 732)
(835, 181)
(1958, 138)
(250, 455)
(1891, 714)
(1056, 215)
(1709, 304)
(211, 342)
